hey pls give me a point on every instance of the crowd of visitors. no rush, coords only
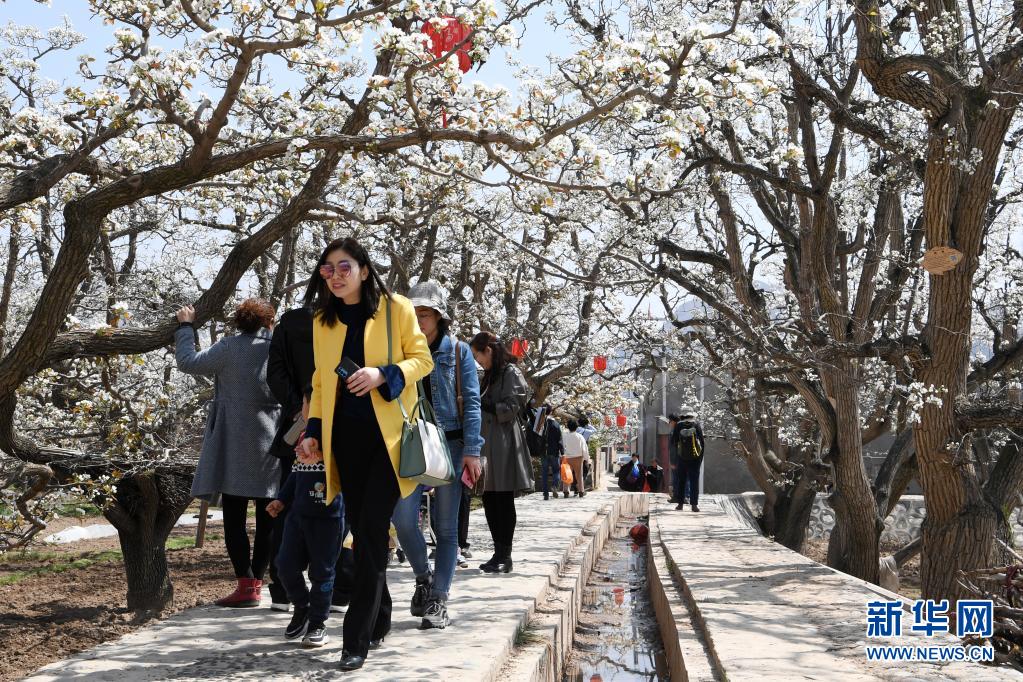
(310, 421)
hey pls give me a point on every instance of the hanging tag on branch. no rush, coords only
(941, 259)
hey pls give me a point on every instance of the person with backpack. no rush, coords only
(453, 389)
(687, 439)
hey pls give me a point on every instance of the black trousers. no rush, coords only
(370, 490)
(499, 508)
(689, 470)
(236, 536)
(344, 569)
(463, 518)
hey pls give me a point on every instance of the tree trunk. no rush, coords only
(854, 544)
(789, 516)
(145, 567)
(146, 507)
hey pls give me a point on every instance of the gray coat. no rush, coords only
(242, 419)
(504, 441)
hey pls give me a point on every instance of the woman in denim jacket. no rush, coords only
(464, 442)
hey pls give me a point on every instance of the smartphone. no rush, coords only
(346, 368)
(292, 434)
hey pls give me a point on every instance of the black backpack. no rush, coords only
(687, 443)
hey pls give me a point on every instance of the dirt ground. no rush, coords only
(909, 574)
(51, 615)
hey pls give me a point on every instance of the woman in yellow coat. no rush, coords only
(355, 414)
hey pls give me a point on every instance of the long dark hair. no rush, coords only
(501, 358)
(319, 297)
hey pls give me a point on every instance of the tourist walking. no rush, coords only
(453, 389)
(289, 373)
(503, 394)
(235, 465)
(311, 542)
(688, 440)
(575, 451)
(553, 449)
(585, 430)
(368, 351)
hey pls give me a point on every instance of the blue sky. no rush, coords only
(539, 40)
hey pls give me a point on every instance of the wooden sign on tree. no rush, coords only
(941, 259)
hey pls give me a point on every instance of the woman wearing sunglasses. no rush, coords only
(354, 414)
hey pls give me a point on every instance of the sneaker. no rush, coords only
(298, 625)
(280, 606)
(421, 595)
(466, 553)
(316, 636)
(555, 493)
(339, 604)
(680, 507)
(462, 561)
(547, 497)
(435, 616)
(696, 508)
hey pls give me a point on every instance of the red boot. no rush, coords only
(246, 594)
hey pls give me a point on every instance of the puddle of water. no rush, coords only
(617, 636)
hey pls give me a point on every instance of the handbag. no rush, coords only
(424, 455)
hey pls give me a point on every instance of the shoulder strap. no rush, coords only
(459, 401)
(388, 305)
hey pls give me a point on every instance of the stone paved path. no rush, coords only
(773, 614)
(210, 643)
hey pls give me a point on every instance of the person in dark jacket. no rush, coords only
(289, 373)
(687, 441)
(551, 462)
(509, 473)
(312, 540)
(631, 474)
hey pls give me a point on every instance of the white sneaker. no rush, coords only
(281, 606)
(462, 561)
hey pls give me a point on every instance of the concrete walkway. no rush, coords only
(739, 607)
(767, 613)
(210, 643)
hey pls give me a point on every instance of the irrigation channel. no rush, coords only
(617, 636)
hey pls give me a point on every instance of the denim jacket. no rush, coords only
(442, 387)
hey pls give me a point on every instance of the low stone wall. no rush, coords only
(901, 526)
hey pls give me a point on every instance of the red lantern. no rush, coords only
(621, 421)
(599, 364)
(444, 40)
(519, 348)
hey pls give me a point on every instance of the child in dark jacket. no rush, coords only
(312, 539)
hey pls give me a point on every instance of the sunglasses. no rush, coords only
(343, 267)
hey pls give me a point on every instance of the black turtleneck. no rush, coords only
(354, 318)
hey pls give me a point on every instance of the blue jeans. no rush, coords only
(446, 501)
(551, 463)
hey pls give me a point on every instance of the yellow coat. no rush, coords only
(410, 352)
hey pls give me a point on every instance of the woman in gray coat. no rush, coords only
(503, 396)
(235, 463)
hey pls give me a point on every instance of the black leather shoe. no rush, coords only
(376, 643)
(351, 661)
